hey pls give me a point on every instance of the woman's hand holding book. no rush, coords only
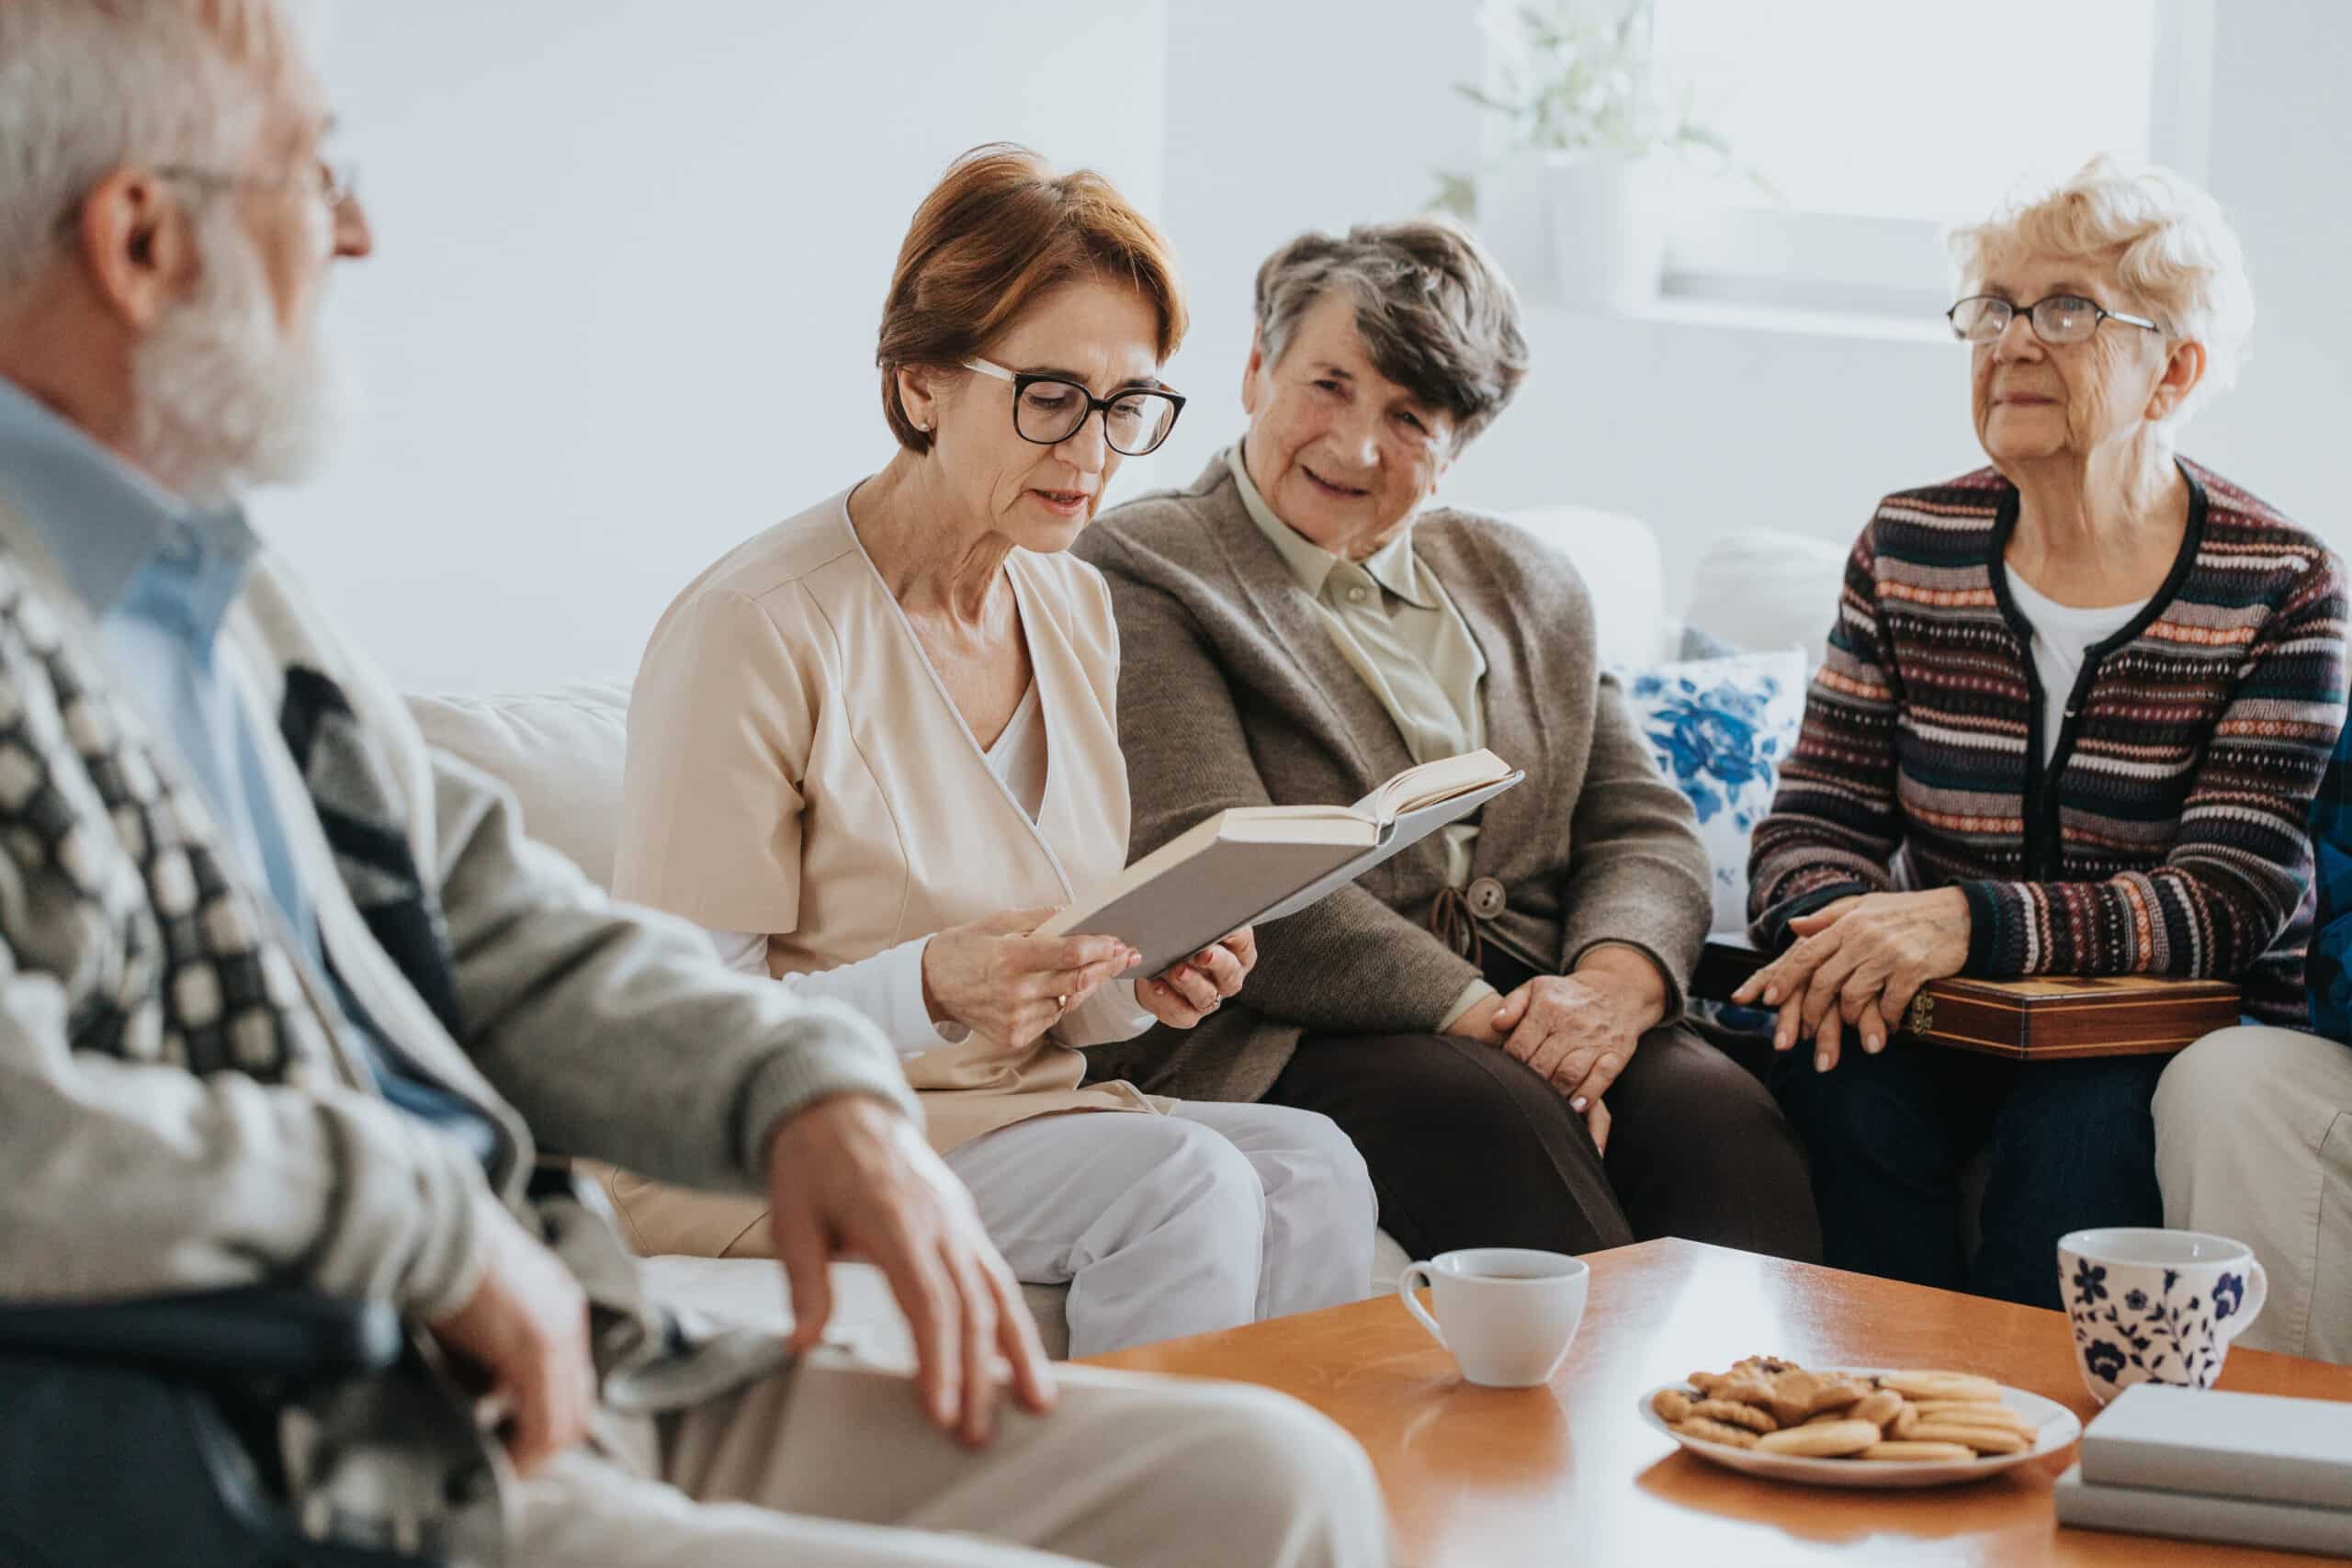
(996, 979)
(1190, 991)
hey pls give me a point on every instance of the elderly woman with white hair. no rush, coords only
(2073, 713)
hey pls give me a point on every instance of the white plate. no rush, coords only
(2055, 1427)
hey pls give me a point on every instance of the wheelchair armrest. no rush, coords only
(1723, 967)
(254, 1330)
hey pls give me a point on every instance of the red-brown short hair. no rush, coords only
(999, 230)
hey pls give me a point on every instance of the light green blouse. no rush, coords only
(1392, 621)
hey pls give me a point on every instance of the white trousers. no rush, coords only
(2253, 1141)
(1209, 1217)
(831, 1465)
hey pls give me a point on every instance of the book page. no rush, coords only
(1429, 783)
(1397, 835)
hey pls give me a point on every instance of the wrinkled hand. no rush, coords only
(1192, 990)
(1858, 964)
(996, 980)
(850, 1176)
(525, 1327)
(1579, 1031)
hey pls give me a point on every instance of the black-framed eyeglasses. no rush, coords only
(2061, 319)
(1049, 410)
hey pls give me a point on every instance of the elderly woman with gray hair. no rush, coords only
(2073, 713)
(1481, 1011)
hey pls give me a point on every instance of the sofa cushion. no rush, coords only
(560, 751)
(1720, 728)
(1764, 588)
(1618, 558)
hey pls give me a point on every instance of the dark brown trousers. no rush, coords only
(1469, 1148)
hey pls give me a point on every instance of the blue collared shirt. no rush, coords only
(2327, 972)
(159, 575)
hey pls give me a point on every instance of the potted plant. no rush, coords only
(1587, 120)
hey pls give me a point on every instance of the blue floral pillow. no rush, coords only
(1720, 728)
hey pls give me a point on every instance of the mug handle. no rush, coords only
(1405, 1292)
(2257, 1291)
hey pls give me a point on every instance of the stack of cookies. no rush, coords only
(1776, 1406)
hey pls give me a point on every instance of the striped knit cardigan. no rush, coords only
(2167, 834)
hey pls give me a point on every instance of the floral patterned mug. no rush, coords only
(2156, 1305)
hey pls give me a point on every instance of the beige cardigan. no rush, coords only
(795, 767)
(1249, 703)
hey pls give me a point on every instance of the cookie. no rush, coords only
(1748, 1388)
(1940, 1386)
(1831, 1440)
(1716, 1432)
(1672, 1405)
(1797, 1394)
(1983, 1440)
(1973, 1412)
(1732, 1412)
(1882, 1406)
(1917, 1453)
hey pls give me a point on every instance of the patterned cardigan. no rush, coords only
(2166, 836)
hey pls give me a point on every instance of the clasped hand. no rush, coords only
(1857, 964)
(1579, 1029)
(997, 977)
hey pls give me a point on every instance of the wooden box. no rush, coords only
(2049, 1019)
(2041, 1019)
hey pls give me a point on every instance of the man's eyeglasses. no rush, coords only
(2061, 319)
(1049, 410)
(332, 184)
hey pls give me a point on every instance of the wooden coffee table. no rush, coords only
(1568, 1473)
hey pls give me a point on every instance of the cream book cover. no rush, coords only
(1255, 864)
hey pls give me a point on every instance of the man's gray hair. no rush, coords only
(1436, 314)
(87, 86)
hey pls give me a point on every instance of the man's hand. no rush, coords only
(525, 1327)
(850, 1176)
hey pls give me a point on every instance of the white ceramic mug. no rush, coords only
(1506, 1312)
(2156, 1305)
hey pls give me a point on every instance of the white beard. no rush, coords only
(221, 402)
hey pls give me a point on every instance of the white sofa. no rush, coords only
(560, 750)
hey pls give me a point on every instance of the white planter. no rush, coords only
(1512, 221)
(1607, 217)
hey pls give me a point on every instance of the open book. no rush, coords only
(1255, 864)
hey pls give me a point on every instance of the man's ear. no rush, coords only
(2184, 367)
(135, 236)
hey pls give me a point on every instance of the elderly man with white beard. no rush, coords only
(284, 996)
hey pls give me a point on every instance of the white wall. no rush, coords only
(630, 261)
(1701, 426)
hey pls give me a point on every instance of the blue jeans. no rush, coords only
(2071, 1144)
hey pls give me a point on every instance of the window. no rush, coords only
(1871, 129)
(1864, 130)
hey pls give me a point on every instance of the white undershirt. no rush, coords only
(1018, 758)
(887, 986)
(2063, 634)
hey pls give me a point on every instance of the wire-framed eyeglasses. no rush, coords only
(2060, 319)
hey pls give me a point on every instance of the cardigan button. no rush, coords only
(1486, 899)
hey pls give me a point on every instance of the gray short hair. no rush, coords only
(87, 86)
(1437, 315)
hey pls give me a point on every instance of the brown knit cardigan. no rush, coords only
(1231, 693)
